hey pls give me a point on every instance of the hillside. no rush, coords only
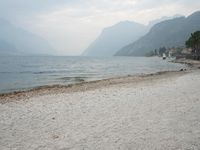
(7, 49)
(114, 38)
(170, 33)
(14, 41)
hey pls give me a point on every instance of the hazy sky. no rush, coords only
(71, 25)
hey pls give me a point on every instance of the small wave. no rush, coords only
(44, 72)
(30, 72)
(51, 72)
(5, 72)
(75, 79)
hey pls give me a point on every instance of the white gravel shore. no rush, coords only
(154, 114)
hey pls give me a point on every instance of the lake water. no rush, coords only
(19, 73)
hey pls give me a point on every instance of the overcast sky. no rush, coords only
(71, 25)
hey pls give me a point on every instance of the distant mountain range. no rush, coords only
(17, 41)
(7, 49)
(122, 39)
(170, 33)
(117, 36)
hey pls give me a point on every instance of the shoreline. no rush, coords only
(86, 86)
(193, 64)
(92, 85)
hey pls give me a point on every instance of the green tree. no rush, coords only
(194, 42)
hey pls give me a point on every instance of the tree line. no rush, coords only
(194, 42)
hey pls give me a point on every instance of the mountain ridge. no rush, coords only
(115, 37)
(23, 42)
(170, 33)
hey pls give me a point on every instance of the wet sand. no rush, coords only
(156, 111)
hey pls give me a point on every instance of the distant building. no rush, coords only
(187, 51)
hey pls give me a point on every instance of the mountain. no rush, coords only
(114, 38)
(117, 36)
(154, 22)
(7, 49)
(170, 33)
(14, 41)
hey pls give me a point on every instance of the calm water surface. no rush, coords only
(18, 73)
